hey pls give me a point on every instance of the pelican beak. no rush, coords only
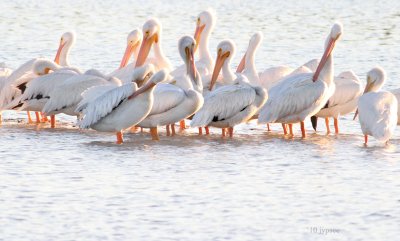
(217, 68)
(145, 48)
(46, 70)
(60, 47)
(327, 53)
(197, 35)
(143, 89)
(191, 67)
(241, 65)
(355, 115)
(128, 53)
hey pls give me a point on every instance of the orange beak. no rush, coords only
(191, 67)
(355, 115)
(128, 53)
(217, 68)
(327, 53)
(241, 65)
(145, 49)
(60, 47)
(197, 35)
(143, 89)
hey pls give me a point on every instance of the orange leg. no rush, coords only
(134, 129)
(336, 123)
(182, 125)
(284, 129)
(120, 137)
(200, 131)
(290, 129)
(53, 121)
(167, 128)
(37, 117)
(173, 129)
(328, 130)
(154, 134)
(29, 117)
(207, 130)
(44, 117)
(303, 130)
(223, 132)
(268, 129)
(230, 132)
(365, 139)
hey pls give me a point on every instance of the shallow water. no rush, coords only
(66, 184)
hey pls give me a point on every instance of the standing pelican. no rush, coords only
(343, 101)
(302, 95)
(124, 72)
(173, 103)
(119, 108)
(233, 103)
(152, 37)
(377, 109)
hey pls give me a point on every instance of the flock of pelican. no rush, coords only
(147, 93)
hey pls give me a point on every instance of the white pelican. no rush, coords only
(229, 104)
(37, 90)
(377, 109)
(343, 101)
(205, 24)
(396, 93)
(15, 83)
(302, 95)
(124, 72)
(173, 103)
(152, 37)
(118, 108)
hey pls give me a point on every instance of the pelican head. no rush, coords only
(225, 52)
(142, 74)
(186, 47)
(158, 77)
(43, 67)
(336, 32)
(375, 79)
(151, 34)
(66, 41)
(205, 22)
(254, 42)
(133, 42)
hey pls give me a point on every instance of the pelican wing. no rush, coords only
(291, 96)
(166, 97)
(223, 103)
(348, 88)
(70, 92)
(104, 104)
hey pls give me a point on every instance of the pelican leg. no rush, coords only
(207, 130)
(37, 117)
(303, 130)
(200, 131)
(154, 134)
(290, 129)
(167, 128)
(230, 132)
(284, 129)
(365, 139)
(120, 137)
(44, 117)
(53, 121)
(223, 132)
(29, 117)
(182, 125)
(173, 129)
(328, 130)
(134, 129)
(336, 123)
(141, 129)
(268, 129)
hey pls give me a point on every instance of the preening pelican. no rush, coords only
(124, 72)
(377, 109)
(343, 101)
(233, 103)
(119, 108)
(173, 103)
(302, 95)
(152, 37)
